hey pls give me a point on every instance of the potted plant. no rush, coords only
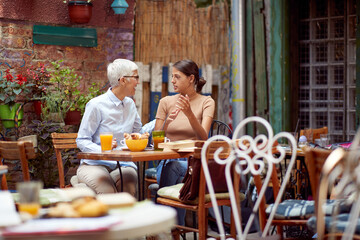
(12, 89)
(64, 93)
(39, 77)
(79, 11)
(93, 91)
(54, 107)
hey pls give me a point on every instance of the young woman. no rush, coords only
(186, 115)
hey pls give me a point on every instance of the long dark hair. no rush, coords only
(189, 67)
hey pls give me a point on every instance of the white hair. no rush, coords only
(119, 68)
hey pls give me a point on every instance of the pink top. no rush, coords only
(180, 129)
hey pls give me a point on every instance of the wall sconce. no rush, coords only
(119, 6)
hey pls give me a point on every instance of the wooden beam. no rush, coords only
(261, 88)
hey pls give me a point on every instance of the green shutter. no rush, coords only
(66, 36)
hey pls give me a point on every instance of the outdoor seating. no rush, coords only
(61, 142)
(338, 217)
(254, 155)
(14, 150)
(314, 160)
(170, 195)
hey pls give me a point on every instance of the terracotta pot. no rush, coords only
(80, 11)
(73, 117)
(38, 106)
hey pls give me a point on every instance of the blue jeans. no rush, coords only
(173, 173)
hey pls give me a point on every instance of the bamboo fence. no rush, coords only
(170, 30)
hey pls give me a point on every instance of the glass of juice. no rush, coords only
(106, 141)
(29, 196)
(158, 137)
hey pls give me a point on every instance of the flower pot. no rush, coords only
(80, 11)
(8, 115)
(73, 117)
(38, 106)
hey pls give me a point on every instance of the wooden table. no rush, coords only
(299, 176)
(128, 156)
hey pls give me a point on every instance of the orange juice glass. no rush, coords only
(29, 196)
(32, 208)
(158, 137)
(106, 141)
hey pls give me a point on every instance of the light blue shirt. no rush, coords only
(107, 113)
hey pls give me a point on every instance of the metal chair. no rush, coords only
(253, 156)
(220, 128)
(340, 176)
(170, 195)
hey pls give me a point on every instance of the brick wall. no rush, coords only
(18, 52)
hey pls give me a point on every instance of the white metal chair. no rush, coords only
(340, 175)
(253, 155)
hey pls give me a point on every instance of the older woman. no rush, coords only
(113, 112)
(187, 115)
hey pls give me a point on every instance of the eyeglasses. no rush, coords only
(136, 77)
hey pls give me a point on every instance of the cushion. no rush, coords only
(150, 173)
(153, 187)
(293, 209)
(173, 192)
(341, 222)
(303, 209)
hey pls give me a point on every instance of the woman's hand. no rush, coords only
(114, 143)
(183, 103)
(172, 115)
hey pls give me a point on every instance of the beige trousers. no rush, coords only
(103, 180)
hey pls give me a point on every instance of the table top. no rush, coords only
(145, 218)
(126, 155)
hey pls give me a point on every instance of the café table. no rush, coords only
(300, 177)
(143, 219)
(137, 157)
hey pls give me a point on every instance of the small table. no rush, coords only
(299, 177)
(128, 156)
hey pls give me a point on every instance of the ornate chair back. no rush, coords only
(252, 156)
(219, 128)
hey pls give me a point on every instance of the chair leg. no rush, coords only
(4, 185)
(175, 234)
(232, 226)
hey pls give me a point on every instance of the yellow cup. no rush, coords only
(106, 141)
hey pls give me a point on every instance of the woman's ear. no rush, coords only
(122, 81)
(192, 78)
